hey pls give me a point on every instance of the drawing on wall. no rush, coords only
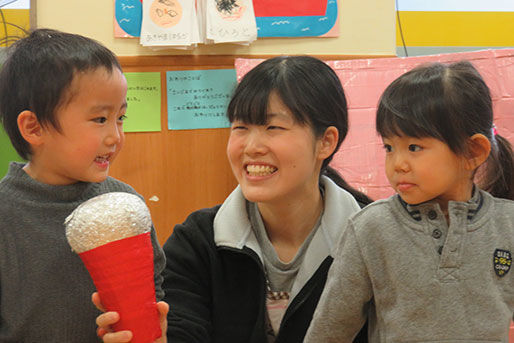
(230, 21)
(127, 18)
(169, 23)
(309, 18)
(166, 13)
(230, 9)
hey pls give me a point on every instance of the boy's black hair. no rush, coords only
(309, 88)
(37, 74)
(450, 103)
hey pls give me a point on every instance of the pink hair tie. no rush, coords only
(495, 131)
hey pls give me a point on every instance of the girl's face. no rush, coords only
(91, 134)
(422, 169)
(279, 161)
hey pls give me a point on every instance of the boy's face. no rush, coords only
(423, 169)
(91, 131)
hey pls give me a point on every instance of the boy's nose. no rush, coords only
(114, 135)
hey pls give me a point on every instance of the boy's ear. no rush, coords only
(328, 142)
(479, 149)
(30, 128)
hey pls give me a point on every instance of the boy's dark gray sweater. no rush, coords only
(45, 291)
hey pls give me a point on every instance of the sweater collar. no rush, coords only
(21, 185)
(430, 209)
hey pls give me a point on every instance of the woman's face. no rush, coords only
(278, 161)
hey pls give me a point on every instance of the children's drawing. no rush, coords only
(230, 9)
(128, 15)
(230, 21)
(166, 13)
(283, 18)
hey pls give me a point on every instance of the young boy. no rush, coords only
(62, 104)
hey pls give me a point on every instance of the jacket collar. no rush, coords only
(232, 228)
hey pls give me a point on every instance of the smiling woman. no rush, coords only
(269, 243)
(252, 269)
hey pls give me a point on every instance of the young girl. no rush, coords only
(431, 263)
(252, 270)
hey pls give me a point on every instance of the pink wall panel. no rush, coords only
(361, 157)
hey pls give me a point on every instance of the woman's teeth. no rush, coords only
(259, 170)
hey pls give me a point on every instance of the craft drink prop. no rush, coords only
(111, 234)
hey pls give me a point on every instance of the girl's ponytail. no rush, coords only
(499, 175)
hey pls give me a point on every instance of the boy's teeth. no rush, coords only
(259, 170)
(101, 159)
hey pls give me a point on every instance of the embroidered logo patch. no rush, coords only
(502, 262)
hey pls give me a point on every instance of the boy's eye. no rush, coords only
(388, 148)
(100, 120)
(414, 147)
(238, 127)
(122, 117)
(274, 127)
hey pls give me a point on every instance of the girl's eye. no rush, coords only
(274, 127)
(238, 127)
(388, 148)
(122, 117)
(414, 147)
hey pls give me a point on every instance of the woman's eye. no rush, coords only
(414, 147)
(388, 148)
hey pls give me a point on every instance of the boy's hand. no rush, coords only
(105, 320)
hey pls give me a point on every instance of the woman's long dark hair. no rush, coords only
(309, 88)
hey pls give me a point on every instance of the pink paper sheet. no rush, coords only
(361, 157)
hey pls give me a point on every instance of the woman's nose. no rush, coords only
(255, 143)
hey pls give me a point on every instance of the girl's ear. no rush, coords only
(479, 149)
(30, 128)
(328, 142)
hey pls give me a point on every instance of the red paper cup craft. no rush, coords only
(111, 234)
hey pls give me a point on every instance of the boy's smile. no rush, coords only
(91, 131)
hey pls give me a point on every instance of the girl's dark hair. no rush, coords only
(37, 75)
(309, 88)
(450, 103)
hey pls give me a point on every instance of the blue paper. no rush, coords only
(198, 99)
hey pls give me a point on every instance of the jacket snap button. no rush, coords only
(432, 214)
(437, 233)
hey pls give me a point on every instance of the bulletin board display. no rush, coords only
(274, 18)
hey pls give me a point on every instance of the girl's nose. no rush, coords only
(401, 163)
